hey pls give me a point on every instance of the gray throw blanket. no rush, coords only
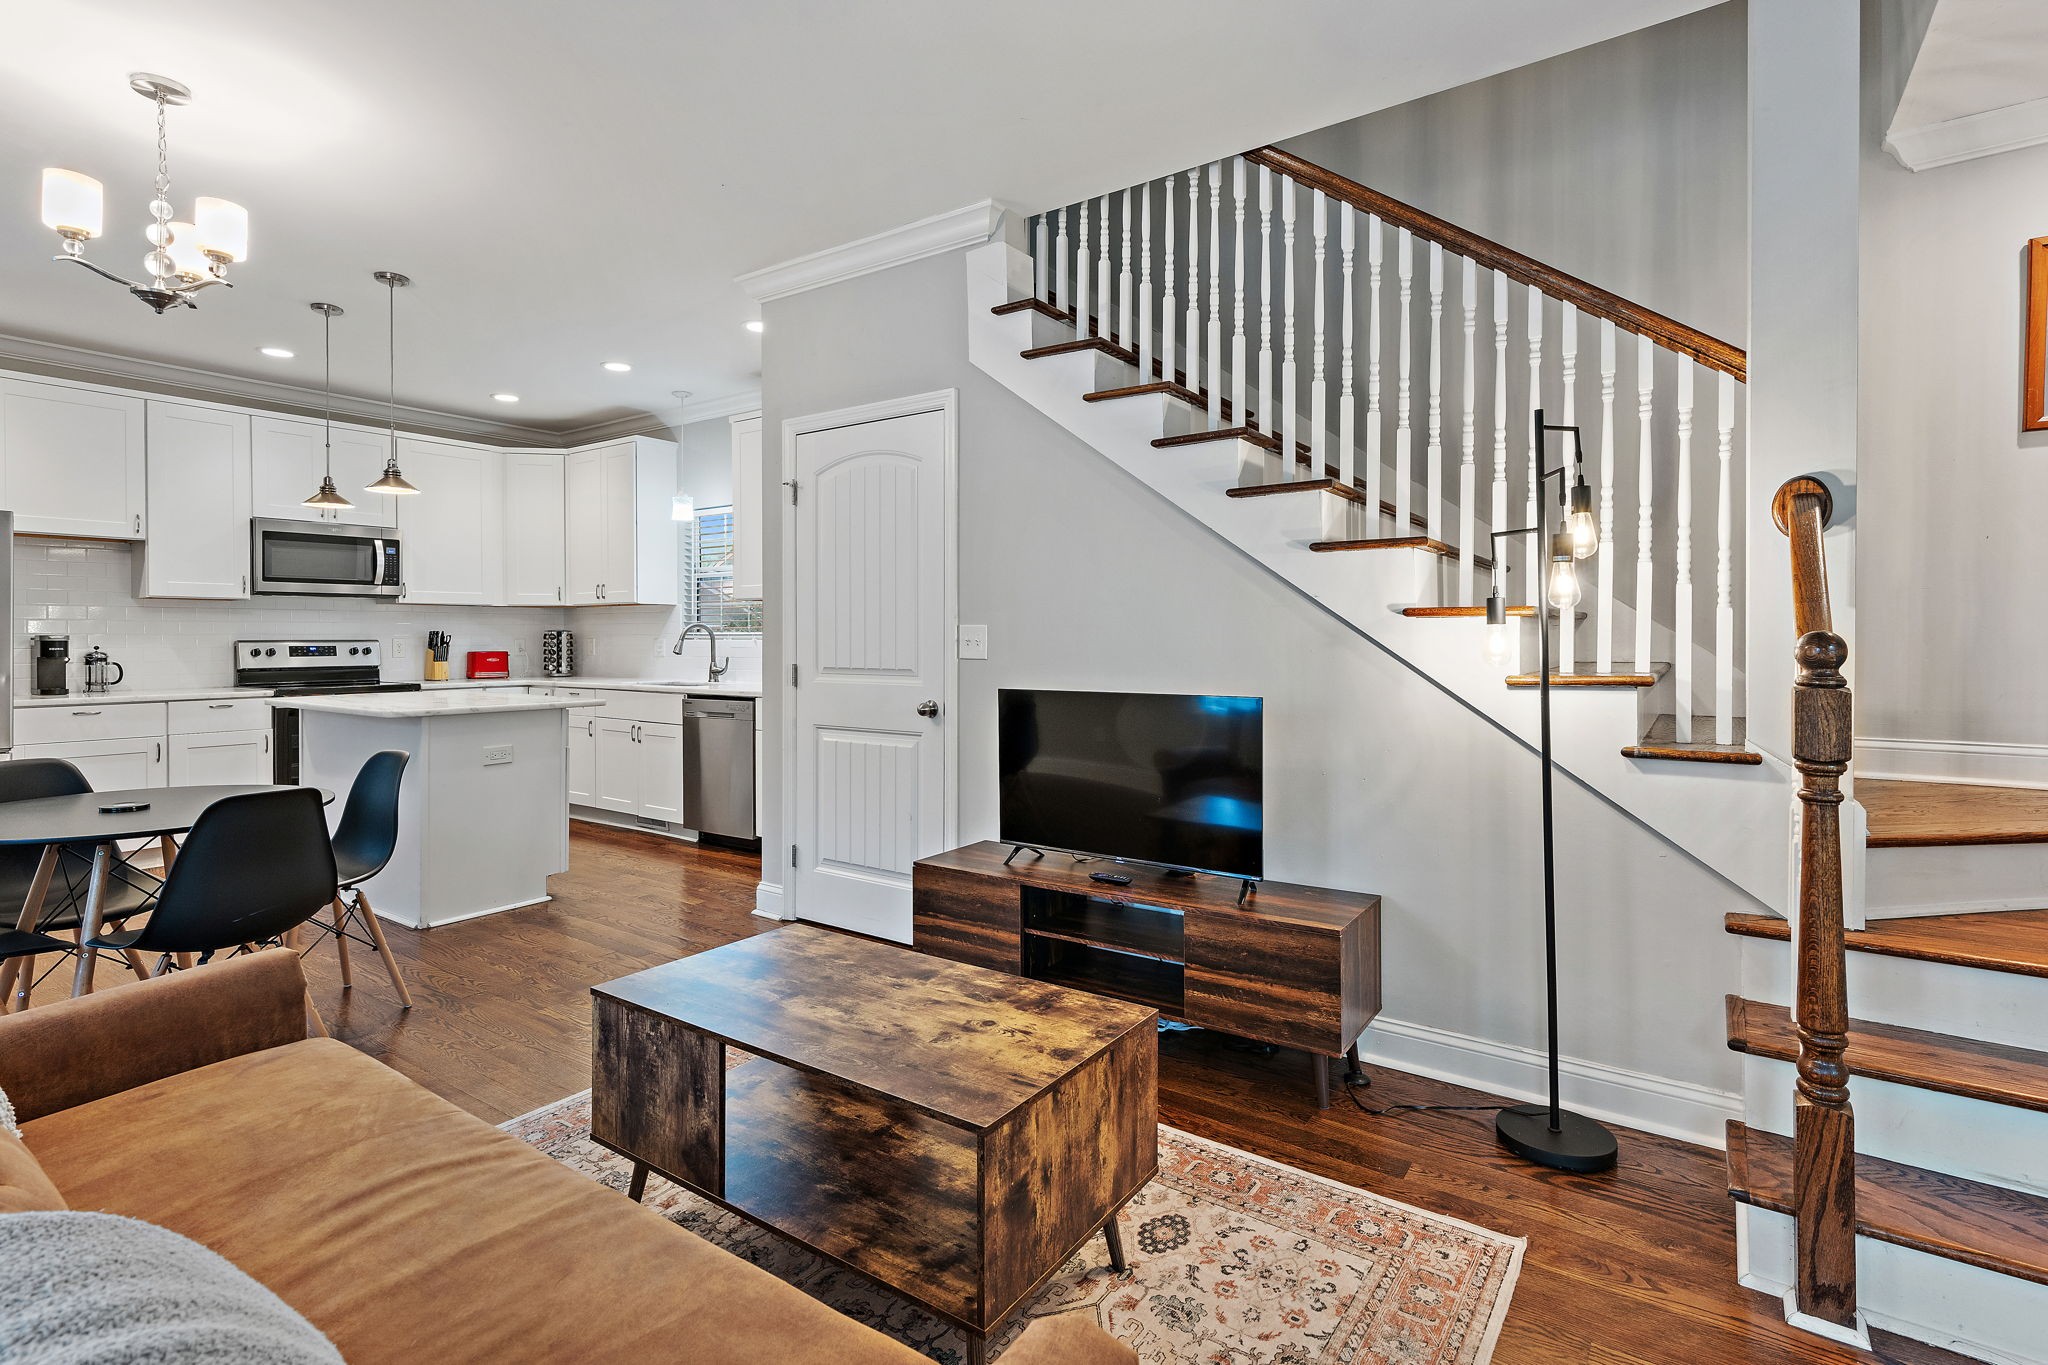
(95, 1289)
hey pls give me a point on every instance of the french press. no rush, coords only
(96, 664)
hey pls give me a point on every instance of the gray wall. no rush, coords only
(1377, 780)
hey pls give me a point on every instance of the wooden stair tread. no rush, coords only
(1260, 490)
(1165, 386)
(1592, 679)
(1102, 344)
(1977, 1070)
(1435, 547)
(1943, 814)
(1479, 612)
(1995, 940)
(1039, 306)
(1987, 1226)
(1661, 741)
(1191, 438)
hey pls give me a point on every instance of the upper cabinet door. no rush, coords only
(583, 525)
(72, 460)
(452, 532)
(746, 507)
(616, 501)
(289, 458)
(533, 528)
(198, 484)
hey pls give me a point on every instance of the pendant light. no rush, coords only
(392, 481)
(328, 496)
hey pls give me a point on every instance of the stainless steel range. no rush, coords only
(312, 668)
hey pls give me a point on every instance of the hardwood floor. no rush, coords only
(1636, 1266)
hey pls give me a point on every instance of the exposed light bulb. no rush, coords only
(1498, 645)
(1562, 584)
(1580, 526)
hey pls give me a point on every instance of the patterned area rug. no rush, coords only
(1235, 1260)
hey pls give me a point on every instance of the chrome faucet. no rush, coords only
(714, 670)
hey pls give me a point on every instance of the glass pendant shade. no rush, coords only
(223, 228)
(392, 481)
(183, 249)
(328, 496)
(73, 204)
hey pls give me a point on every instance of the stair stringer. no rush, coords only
(1735, 820)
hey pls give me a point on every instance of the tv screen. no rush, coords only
(1153, 778)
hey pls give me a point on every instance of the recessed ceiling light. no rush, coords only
(617, 366)
(275, 352)
(756, 325)
(506, 397)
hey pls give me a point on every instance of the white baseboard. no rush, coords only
(1953, 760)
(1635, 1099)
(768, 901)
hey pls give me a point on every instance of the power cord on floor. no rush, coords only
(1352, 1086)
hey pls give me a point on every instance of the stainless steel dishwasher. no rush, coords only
(718, 766)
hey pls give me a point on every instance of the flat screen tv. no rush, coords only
(1146, 777)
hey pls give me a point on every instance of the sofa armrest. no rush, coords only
(1068, 1339)
(62, 1055)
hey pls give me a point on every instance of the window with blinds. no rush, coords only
(709, 590)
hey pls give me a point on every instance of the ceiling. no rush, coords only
(569, 184)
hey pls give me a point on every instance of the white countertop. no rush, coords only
(123, 695)
(420, 705)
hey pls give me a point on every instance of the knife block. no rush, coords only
(437, 670)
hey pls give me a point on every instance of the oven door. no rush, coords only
(312, 559)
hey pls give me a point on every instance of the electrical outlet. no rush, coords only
(497, 753)
(401, 648)
(974, 642)
(519, 649)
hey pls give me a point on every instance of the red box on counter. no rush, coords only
(489, 663)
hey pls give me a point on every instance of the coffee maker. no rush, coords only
(49, 665)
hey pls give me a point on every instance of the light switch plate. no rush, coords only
(974, 642)
(497, 753)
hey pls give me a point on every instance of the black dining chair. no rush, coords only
(254, 868)
(128, 892)
(363, 844)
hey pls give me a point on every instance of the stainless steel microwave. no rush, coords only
(316, 559)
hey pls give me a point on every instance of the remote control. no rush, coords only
(1112, 878)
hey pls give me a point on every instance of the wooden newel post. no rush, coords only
(1823, 1123)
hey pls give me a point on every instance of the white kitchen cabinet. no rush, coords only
(109, 764)
(198, 483)
(288, 457)
(582, 759)
(453, 531)
(619, 523)
(616, 785)
(72, 459)
(629, 767)
(220, 758)
(746, 507)
(534, 528)
(661, 773)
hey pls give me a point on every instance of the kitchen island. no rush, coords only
(484, 809)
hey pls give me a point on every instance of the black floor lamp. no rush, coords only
(1550, 1134)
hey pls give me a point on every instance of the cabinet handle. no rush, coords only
(88, 713)
(138, 523)
(266, 744)
(159, 751)
(558, 593)
(219, 705)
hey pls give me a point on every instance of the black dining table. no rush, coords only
(98, 818)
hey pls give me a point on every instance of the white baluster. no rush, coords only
(1646, 570)
(1169, 316)
(1084, 275)
(1290, 420)
(1214, 342)
(1375, 239)
(1681, 610)
(1041, 257)
(1145, 355)
(1192, 321)
(1318, 385)
(1103, 304)
(1266, 422)
(1603, 637)
(1404, 391)
(1239, 370)
(1123, 290)
(1497, 550)
(1568, 361)
(1063, 296)
(1468, 472)
(1724, 576)
(1537, 549)
(1347, 401)
(1433, 479)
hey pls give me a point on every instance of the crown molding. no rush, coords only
(652, 424)
(732, 405)
(969, 226)
(1928, 145)
(59, 361)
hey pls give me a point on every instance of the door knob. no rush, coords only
(927, 709)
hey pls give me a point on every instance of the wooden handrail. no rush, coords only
(1823, 1123)
(1589, 298)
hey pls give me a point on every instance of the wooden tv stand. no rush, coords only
(1295, 966)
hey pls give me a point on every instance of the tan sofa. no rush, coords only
(402, 1227)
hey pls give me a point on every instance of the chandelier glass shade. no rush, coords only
(183, 257)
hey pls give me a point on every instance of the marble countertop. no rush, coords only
(423, 705)
(126, 696)
(717, 689)
(122, 695)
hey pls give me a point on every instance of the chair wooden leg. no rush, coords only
(8, 971)
(25, 982)
(313, 1019)
(341, 942)
(185, 961)
(136, 964)
(369, 918)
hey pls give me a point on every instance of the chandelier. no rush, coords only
(184, 258)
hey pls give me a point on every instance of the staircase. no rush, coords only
(1263, 343)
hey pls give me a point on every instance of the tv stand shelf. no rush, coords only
(1295, 966)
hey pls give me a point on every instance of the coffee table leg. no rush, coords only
(89, 922)
(1114, 1235)
(638, 1185)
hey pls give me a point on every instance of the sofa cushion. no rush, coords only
(409, 1231)
(94, 1289)
(24, 1186)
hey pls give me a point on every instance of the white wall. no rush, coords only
(1377, 780)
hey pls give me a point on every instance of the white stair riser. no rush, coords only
(1948, 881)
(1975, 1139)
(1929, 1298)
(1968, 1002)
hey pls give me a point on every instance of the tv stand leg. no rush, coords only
(1244, 890)
(1322, 1080)
(1015, 849)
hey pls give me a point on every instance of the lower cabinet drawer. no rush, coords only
(88, 720)
(202, 717)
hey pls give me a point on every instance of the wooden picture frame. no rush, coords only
(2034, 391)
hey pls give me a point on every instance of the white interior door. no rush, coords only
(871, 649)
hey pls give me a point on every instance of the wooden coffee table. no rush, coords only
(952, 1132)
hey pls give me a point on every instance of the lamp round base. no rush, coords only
(1578, 1143)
